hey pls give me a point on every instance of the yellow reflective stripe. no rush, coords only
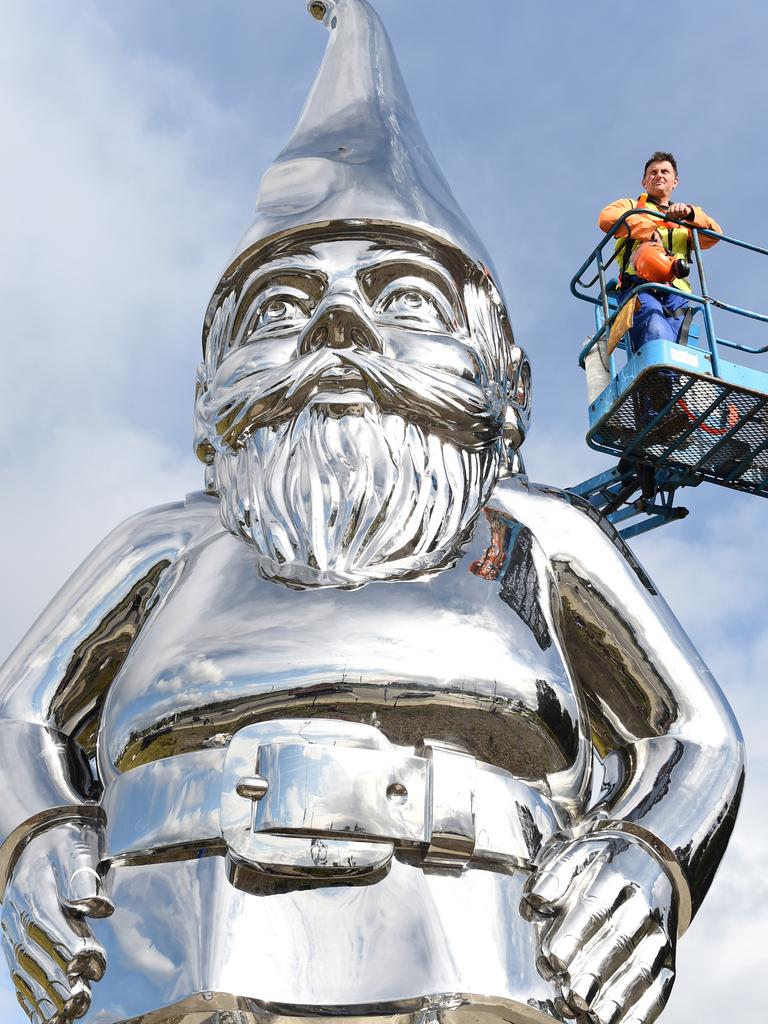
(679, 242)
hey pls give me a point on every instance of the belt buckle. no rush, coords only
(325, 798)
(264, 817)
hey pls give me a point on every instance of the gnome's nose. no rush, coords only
(339, 324)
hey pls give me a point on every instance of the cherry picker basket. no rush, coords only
(665, 407)
(674, 414)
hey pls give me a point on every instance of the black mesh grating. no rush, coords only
(696, 424)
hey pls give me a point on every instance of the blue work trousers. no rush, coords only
(655, 317)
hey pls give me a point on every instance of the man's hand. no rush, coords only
(52, 955)
(680, 211)
(611, 941)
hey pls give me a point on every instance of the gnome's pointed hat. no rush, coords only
(358, 152)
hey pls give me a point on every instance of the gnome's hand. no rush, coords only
(52, 955)
(611, 940)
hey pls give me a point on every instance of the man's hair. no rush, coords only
(657, 157)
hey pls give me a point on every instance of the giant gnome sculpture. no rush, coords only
(373, 727)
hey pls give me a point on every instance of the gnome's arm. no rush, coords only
(674, 750)
(53, 685)
(671, 746)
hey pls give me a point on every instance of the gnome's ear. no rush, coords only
(518, 414)
(520, 379)
(204, 450)
(321, 9)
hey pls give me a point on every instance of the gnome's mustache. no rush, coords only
(247, 398)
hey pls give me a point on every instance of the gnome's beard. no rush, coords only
(333, 500)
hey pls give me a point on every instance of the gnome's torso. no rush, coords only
(471, 655)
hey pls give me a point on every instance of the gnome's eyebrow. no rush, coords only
(391, 265)
(290, 271)
(305, 267)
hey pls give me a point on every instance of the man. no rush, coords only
(657, 314)
(373, 727)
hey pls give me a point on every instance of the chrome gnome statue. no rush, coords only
(372, 727)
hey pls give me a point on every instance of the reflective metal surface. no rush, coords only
(374, 728)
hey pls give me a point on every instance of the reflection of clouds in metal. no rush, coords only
(153, 941)
(199, 670)
(181, 796)
(139, 949)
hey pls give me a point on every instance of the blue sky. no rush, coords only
(134, 136)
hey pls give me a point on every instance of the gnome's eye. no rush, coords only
(415, 308)
(283, 311)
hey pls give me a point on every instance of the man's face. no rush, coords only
(348, 323)
(660, 180)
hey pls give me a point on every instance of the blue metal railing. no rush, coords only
(703, 300)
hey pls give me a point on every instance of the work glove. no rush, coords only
(53, 957)
(608, 917)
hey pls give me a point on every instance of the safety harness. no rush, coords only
(624, 254)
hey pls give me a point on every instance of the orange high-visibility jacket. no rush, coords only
(674, 234)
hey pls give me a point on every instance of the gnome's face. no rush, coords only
(354, 394)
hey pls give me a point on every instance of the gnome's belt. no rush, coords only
(324, 798)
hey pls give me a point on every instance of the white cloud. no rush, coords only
(60, 501)
(119, 221)
(10, 1013)
(720, 960)
(554, 458)
(116, 234)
